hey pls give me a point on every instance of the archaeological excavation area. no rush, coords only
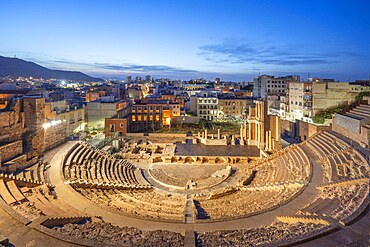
(311, 193)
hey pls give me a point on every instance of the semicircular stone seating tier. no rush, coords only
(118, 186)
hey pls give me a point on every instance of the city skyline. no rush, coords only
(183, 40)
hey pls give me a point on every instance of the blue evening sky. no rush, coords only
(231, 39)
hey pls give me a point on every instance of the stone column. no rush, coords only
(245, 130)
(271, 141)
(241, 135)
(232, 140)
(218, 134)
(205, 134)
(198, 134)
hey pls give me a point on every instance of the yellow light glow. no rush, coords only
(168, 121)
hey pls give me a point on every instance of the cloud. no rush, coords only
(143, 68)
(111, 68)
(239, 52)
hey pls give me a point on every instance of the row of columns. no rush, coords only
(205, 134)
(243, 135)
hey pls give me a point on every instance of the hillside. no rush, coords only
(16, 67)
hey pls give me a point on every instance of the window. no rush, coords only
(111, 128)
(122, 125)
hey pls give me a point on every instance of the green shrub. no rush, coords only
(318, 119)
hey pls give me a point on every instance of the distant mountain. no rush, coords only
(16, 67)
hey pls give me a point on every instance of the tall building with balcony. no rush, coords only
(306, 99)
(266, 85)
(299, 101)
(207, 106)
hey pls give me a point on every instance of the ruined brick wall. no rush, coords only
(34, 112)
(10, 151)
(306, 130)
(12, 122)
(274, 127)
(285, 127)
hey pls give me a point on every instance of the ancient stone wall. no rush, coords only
(34, 112)
(286, 127)
(362, 137)
(10, 151)
(55, 135)
(306, 130)
(12, 122)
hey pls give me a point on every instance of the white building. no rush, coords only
(266, 85)
(207, 106)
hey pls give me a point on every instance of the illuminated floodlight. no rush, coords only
(52, 123)
(63, 82)
(46, 125)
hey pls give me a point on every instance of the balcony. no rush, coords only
(307, 98)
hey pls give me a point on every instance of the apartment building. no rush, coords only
(306, 99)
(266, 85)
(97, 111)
(148, 115)
(60, 111)
(234, 106)
(207, 106)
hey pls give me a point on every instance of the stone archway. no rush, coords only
(219, 160)
(189, 160)
(205, 160)
(158, 160)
